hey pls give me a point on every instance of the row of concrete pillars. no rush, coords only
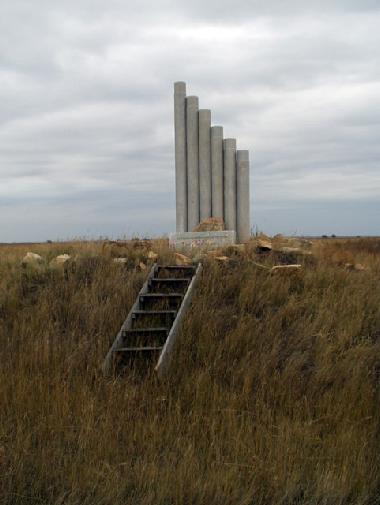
(212, 177)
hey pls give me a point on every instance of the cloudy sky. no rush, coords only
(86, 126)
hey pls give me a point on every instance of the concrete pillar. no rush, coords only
(229, 162)
(180, 155)
(204, 164)
(243, 225)
(217, 171)
(192, 137)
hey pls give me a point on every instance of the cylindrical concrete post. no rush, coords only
(192, 137)
(243, 226)
(204, 164)
(180, 155)
(229, 162)
(217, 171)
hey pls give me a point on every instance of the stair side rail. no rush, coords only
(166, 353)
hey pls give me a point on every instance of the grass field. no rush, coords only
(273, 397)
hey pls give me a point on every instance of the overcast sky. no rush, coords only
(86, 112)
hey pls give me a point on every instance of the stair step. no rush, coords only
(153, 312)
(162, 295)
(145, 331)
(169, 280)
(160, 301)
(145, 337)
(175, 271)
(139, 349)
(170, 284)
(176, 267)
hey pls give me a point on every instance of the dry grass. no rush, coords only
(273, 397)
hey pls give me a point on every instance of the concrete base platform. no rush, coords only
(202, 239)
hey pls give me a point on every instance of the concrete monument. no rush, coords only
(212, 177)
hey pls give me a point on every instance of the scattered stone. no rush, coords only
(62, 258)
(285, 269)
(181, 259)
(31, 259)
(210, 224)
(357, 267)
(306, 243)
(120, 260)
(152, 255)
(263, 245)
(59, 261)
(222, 259)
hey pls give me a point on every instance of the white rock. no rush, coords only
(357, 267)
(120, 260)
(263, 245)
(59, 261)
(32, 259)
(152, 255)
(181, 259)
(222, 259)
(285, 269)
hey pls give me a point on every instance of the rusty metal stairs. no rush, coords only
(152, 325)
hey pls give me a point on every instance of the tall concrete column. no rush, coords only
(229, 162)
(192, 137)
(180, 155)
(243, 226)
(217, 171)
(204, 164)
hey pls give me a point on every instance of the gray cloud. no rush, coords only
(86, 119)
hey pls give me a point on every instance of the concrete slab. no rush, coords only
(202, 240)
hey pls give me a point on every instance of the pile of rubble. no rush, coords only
(284, 252)
(210, 224)
(34, 260)
(278, 255)
(132, 254)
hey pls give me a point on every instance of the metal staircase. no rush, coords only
(152, 325)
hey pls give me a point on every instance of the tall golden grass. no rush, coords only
(273, 396)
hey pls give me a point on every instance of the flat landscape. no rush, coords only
(272, 397)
